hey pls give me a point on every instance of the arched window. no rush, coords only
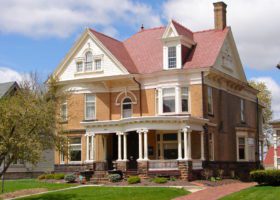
(89, 60)
(126, 108)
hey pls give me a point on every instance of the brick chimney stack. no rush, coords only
(220, 11)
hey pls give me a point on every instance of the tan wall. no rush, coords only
(196, 100)
(148, 102)
(103, 106)
(75, 105)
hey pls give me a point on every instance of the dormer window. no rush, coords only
(172, 57)
(88, 61)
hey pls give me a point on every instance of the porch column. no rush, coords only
(179, 144)
(87, 153)
(189, 145)
(145, 144)
(140, 147)
(202, 145)
(119, 146)
(105, 147)
(186, 153)
(125, 146)
(92, 148)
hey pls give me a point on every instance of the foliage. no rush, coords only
(264, 97)
(269, 177)
(220, 173)
(28, 121)
(42, 176)
(114, 177)
(207, 173)
(172, 178)
(49, 176)
(113, 193)
(133, 179)
(160, 180)
(59, 176)
(70, 178)
(213, 179)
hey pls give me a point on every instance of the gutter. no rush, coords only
(140, 95)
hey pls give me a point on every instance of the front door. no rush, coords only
(132, 150)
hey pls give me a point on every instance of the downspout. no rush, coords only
(140, 95)
(202, 90)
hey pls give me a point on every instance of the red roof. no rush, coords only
(269, 158)
(142, 53)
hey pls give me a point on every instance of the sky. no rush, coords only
(36, 35)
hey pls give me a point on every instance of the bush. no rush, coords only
(42, 176)
(269, 177)
(70, 178)
(220, 173)
(114, 177)
(49, 176)
(133, 179)
(59, 176)
(160, 180)
(172, 178)
(207, 173)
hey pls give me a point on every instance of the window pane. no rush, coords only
(75, 155)
(210, 100)
(90, 98)
(168, 100)
(90, 106)
(127, 108)
(170, 151)
(75, 149)
(89, 60)
(241, 153)
(79, 66)
(170, 137)
(168, 92)
(171, 57)
(185, 97)
(241, 141)
(97, 64)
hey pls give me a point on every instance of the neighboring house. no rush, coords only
(20, 169)
(167, 100)
(272, 158)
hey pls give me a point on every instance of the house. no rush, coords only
(20, 169)
(272, 159)
(167, 100)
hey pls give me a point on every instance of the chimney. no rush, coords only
(142, 27)
(220, 11)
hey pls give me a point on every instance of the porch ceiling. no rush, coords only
(148, 122)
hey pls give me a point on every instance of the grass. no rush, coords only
(113, 193)
(15, 185)
(256, 193)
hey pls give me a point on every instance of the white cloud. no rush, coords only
(63, 17)
(7, 75)
(274, 87)
(254, 25)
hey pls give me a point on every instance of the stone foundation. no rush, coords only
(122, 165)
(143, 168)
(21, 175)
(185, 168)
(70, 168)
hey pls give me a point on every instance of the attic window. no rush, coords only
(89, 60)
(171, 57)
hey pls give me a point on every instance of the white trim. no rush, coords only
(126, 93)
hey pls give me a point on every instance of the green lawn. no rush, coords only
(14, 185)
(113, 193)
(256, 193)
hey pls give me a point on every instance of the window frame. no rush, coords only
(122, 110)
(169, 57)
(163, 96)
(64, 103)
(82, 66)
(76, 144)
(85, 106)
(88, 61)
(210, 106)
(160, 145)
(245, 147)
(188, 99)
(95, 64)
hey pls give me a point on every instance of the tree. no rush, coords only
(264, 97)
(28, 123)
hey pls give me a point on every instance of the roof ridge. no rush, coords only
(105, 35)
(141, 31)
(208, 30)
(174, 21)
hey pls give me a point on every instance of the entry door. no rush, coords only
(132, 150)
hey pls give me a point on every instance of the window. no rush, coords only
(61, 157)
(242, 110)
(241, 148)
(18, 162)
(79, 66)
(98, 64)
(171, 57)
(63, 110)
(89, 106)
(89, 60)
(185, 99)
(126, 108)
(167, 145)
(75, 149)
(210, 100)
(168, 99)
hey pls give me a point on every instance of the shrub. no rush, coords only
(42, 176)
(49, 176)
(160, 180)
(70, 178)
(133, 179)
(114, 177)
(270, 177)
(212, 179)
(207, 173)
(59, 176)
(172, 178)
(220, 173)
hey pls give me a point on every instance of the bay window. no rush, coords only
(168, 100)
(89, 107)
(75, 149)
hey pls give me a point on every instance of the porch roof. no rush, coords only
(146, 123)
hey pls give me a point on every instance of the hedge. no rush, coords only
(268, 177)
(160, 180)
(133, 179)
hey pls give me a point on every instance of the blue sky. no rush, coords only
(42, 32)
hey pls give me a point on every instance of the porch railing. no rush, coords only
(163, 165)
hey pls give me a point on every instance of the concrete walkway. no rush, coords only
(214, 193)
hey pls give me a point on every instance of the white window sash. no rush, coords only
(90, 104)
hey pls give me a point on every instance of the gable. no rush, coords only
(110, 66)
(228, 60)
